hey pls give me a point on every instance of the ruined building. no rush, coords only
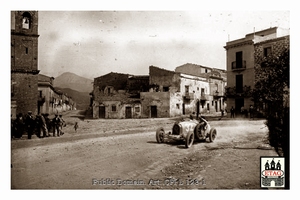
(117, 95)
(173, 94)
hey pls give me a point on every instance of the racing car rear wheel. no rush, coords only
(189, 139)
(212, 134)
(160, 135)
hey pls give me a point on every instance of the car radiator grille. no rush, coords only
(176, 129)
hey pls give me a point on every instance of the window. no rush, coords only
(41, 93)
(239, 59)
(108, 90)
(26, 20)
(178, 106)
(26, 50)
(165, 89)
(267, 51)
(113, 108)
(239, 83)
(186, 89)
(202, 91)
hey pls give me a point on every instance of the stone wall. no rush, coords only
(25, 92)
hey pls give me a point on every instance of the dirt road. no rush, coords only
(123, 154)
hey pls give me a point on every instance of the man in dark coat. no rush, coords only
(56, 125)
(29, 122)
(19, 126)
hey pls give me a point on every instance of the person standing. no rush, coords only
(232, 112)
(29, 122)
(56, 124)
(76, 126)
(44, 128)
(48, 123)
(251, 111)
(62, 124)
(19, 126)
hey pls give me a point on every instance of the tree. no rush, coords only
(272, 93)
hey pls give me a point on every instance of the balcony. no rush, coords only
(41, 100)
(188, 96)
(233, 92)
(217, 94)
(238, 66)
(204, 97)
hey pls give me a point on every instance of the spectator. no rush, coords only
(55, 125)
(44, 128)
(62, 124)
(232, 112)
(251, 111)
(19, 126)
(48, 123)
(76, 126)
(30, 124)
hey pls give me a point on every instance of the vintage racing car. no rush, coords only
(187, 130)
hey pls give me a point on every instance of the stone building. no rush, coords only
(24, 62)
(117, 95)
(217, 82)
(240, 65)
(174, 94)
(51, 100)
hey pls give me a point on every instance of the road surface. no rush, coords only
(124, 154)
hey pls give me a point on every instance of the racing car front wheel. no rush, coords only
(212, 134)
(189, 139)
(160, 135)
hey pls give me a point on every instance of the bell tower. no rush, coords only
(24, 61)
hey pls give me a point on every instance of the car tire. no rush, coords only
(189, 139)
(160, 135)
(212, 134)
(198, 134)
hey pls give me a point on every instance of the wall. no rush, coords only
(163, 78)
(193, 69)
(120, 112)
(159, 99)
(25, 92)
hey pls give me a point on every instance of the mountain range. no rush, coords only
(74, 82)
(75, 86)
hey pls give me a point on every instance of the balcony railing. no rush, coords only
(188, 96)
(239, 66)
(232, 92)
(204, 97)
(41, 99)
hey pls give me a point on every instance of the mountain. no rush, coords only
(74, 82)
(82, 99)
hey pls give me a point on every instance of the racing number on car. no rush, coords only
(188, 128)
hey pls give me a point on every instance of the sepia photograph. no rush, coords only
(149, 99)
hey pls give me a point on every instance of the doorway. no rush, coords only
(153, 112)
(128, 112)
(102, 112)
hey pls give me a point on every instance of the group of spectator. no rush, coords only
(244, 112)
(41, 125)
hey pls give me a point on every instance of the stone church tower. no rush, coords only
(24, 62)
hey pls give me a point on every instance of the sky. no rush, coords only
(92, 43)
